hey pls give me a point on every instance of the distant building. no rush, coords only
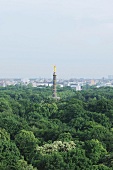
(76, 86)
(92, 82)
(25, 81)
(61, 85)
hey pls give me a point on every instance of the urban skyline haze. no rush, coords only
(76, 36)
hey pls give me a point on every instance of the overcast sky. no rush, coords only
(75, 35)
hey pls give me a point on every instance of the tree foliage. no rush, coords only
(39, 133)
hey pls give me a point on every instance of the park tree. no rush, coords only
(23, 165)
(9, 153)
(95, 150)
(27, 143)
(5, 105)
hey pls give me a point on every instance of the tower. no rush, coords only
(54, 83)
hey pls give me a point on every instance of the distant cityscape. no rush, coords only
(73, 82)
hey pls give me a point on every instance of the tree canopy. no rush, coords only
(40, 133)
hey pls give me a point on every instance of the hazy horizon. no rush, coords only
(76, 36)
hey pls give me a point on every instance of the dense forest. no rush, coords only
(39, 133)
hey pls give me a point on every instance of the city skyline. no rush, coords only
(76, 36)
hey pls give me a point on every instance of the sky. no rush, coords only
(74, 35)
